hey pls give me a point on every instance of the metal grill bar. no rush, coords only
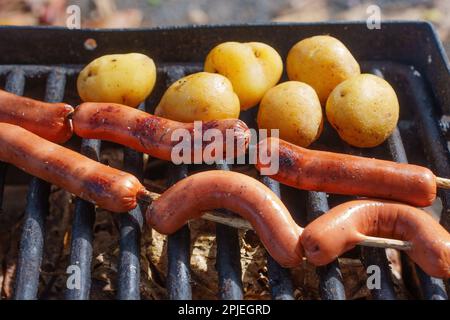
(130, 234)
(228, 259)
(15, 83)
(179, 243)
(178, 250)
(432, 288)
(428, 128)
(434, 145)
(279, 278)
(32, 241)
(376, 257)
(331, 284)
(82, 233)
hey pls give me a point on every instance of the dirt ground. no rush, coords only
(104, 13)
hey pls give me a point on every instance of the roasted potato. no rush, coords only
(294, 108)
(199, 96)
(120, 78)
(253, 68)
(364, 110)
(322, 62)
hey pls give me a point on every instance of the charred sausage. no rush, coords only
(350, 175)
(48, 120)
(344, 226)
(238, 193)
(107, 187)
(148, 133)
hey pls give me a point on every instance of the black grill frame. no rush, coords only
(178, 51)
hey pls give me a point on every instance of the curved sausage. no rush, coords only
(238, 193)
(344, 226)
(107, 187)
(48, 120)
(350, 175)
(148, 133)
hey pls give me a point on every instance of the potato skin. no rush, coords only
(118, 78)
(253, 68)
(322, 62)
(200, 96)
(364, 110)
(294, 108)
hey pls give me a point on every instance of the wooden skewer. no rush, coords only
(239, 223)
(443, 183)
(385, 243)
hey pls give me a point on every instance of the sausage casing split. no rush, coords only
(145, 132)
(107, 187)
(48, 120)
(344, 226)
(238, 193)
(351, 175)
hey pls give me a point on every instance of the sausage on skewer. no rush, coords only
(48, 120)
(107, 187)
(239, 193)
(350, 175)
(148, 133)
(347, 224)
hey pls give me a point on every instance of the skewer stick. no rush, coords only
(215, 216)
(443, 183)
(385, 243)
(239, 223)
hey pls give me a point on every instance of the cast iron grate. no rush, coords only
(421, 115)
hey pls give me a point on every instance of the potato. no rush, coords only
(364, 110)
(322, 62)
(253, 68)
(199, 96)
(294, 108)
(120, 78)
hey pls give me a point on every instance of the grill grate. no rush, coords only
(130, 234)
(82, 232)
(413, 89)
(228, 257)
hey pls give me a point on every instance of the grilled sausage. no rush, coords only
(148, 133)
(238, 193)
(107, 187)
(350, 175)
(48, 120)
(344, 226)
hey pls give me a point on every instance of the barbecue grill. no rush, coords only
(408, 54)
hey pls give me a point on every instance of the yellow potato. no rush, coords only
(364, 110)
(322, 62)
(294, 108)
(199, 96)
(253, 68)
(119, 78)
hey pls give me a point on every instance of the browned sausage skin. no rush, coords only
(344, 226)
(238, 193)
(345, 174)
(107, 187)
(48, 120)
(145, 132)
